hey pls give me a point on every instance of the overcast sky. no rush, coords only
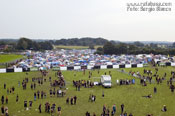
(56, 19)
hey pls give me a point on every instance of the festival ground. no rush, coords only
(129, 95)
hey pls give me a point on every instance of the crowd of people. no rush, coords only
(50, 108)
(72, 100)
(39, 94)
(26, 105)
(58, 92)
(4, 110)
(4, 99)
(57, 88)
(82, 83)
(92, 98)
(60, 82)
(125, 81)
(107, 112)
(149, 77)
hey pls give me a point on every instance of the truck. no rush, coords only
(106, 81)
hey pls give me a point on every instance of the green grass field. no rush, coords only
(9, 57)
(129, 95)
(74, 47)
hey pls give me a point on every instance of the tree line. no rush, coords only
(86, 41)
(29, 44)
(26, 44)
(109, 47)
(134, 48)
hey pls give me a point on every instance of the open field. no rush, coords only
(9, 57)
(74, 47)
(129, 95)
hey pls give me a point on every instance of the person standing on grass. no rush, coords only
(4, 85)
(104, 109)
(30, 104)
(25, 104)
(6, 100)
(46, 104)
(54, 91)
(75, 100)
(48, 110)
(155, 90)
(2, 99)
(103, 94)
(67, 100)
(6, 111)
(38, 93)
(114, 108)
(71, 100)
(39, 108)
(59, 111)
(125, 114)
(13, 89)
(62, 93)
(42, 94)
(107, 112)
(112, 113)
(34, 85)
(94, 98)
(2, 110)
(35, 96)
(17, 98)
(122, 108)
(87, 113)
(89, 76)
(172, 88)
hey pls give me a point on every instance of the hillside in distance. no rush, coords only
(85, 41)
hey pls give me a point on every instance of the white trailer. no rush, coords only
(106, 81)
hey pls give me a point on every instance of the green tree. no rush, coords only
(109, 48)
(99, 51)
(27, 44)
(23, 43)
(138, 44)
(45, 45)
(121, 48)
